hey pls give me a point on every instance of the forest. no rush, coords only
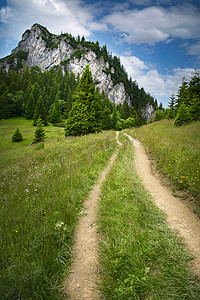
(30, 93)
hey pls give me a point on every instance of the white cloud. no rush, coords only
(56, 15)
(194, 49)
(154, 24)
(161, 86)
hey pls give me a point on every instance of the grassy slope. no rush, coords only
(42, 192)
(176, 151)
(139, 255)
(8, 127)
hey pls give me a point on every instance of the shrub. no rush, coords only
(17, 137)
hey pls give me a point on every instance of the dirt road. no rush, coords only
(178, 215)
(81, 282)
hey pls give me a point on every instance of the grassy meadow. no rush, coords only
(43, 187)
(140, 257)
(176, 152)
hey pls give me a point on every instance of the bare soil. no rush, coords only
(81, 282)
(178, 215)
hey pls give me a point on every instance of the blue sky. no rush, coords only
(158, 41)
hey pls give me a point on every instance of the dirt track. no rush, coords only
(81, 282)
(179, 216)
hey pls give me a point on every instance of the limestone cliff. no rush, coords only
(39, 47)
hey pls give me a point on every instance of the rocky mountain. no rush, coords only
(39, 47)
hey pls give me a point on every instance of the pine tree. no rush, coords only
(183, 116)
(30, 107)
(39, 133)
(54, 113)
(84, 115)
(17, 137)
(195, 107)
(171, 110)
(40, 112)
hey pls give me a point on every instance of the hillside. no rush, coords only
(40, 48)
(176, 155)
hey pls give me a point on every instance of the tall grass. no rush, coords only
(140, 258)
(42, 192)
(176, 151)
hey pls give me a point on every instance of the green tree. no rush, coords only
(39, 133)
(130, 122)
(54, 113)
(17, 137)
(40, 112)
(171, 105)
(84, 115)
(195, 107)
(183, 116)
(158, 115)
(30, 107)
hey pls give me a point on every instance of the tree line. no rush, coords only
(185, 106)
(51, 96)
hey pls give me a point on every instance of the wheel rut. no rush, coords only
(81, 282)
(178, 215)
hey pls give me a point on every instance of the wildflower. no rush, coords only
(59, 225)
(27, 190)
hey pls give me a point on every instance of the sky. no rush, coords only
(158, 41)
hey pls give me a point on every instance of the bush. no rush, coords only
(17, 137)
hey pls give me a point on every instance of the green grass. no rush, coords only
(176, 151)
(140, 257)
(8, 127)
(43, 187)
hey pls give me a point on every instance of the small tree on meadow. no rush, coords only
(183, 116)
(39, 133)
(17, 137)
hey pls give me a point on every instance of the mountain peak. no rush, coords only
(41, 48)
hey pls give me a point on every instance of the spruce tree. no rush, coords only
(84, 116)
(30, 107)
(17, 137)
(39, 133)
(183, 116)
(54, 112)
(40, 112)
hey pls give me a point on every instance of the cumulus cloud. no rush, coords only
(56, 15)
(157, 84)
(154, 24)
(194, 49)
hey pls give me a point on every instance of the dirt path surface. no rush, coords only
(81, 282)
(179, 216)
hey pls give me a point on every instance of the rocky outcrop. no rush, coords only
(148, 112)
(47, 51)
(39, 47)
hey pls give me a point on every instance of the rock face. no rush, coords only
(61, 53)
(148, 111)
